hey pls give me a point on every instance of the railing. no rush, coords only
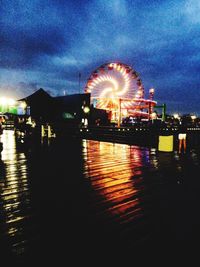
(147, 136)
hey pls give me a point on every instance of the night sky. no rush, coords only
(46, 44)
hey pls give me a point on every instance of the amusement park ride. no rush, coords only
(117, 88)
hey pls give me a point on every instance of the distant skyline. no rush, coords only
(46, 44)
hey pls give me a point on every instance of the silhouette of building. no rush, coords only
(68, 109)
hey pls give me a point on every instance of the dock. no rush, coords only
(88, 198)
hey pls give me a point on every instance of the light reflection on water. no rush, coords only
(136, 190)
(14, 199)
(128, 190)
(115, 173)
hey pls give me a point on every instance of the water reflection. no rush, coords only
(14, 198)
(115, 173)
(135, 192)
(68, 191)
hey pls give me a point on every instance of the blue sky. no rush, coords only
(46, 44)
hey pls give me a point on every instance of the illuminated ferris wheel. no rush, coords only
(117, 87)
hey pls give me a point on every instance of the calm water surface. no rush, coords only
(76, 199)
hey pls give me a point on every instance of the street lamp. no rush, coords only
(86, 109)
(151, 93)
(193, 117)
(177, 119)
(119, 113)
(154, 115)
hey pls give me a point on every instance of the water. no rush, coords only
(77, 198)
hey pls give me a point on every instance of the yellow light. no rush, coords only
(3, 101)
(86, 109)
(176, 116)
(193, 117)
(23, 105)
(11, 102)
(154, 115)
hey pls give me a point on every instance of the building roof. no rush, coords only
(39, 94)
(72, 99)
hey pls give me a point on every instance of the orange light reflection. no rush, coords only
(111, 169)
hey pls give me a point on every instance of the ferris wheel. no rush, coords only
(118, 88)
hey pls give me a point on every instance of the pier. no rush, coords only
(87, 198)
(143, 135)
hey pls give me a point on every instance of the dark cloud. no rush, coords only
(48, 43)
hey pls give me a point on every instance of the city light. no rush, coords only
(4, 101)
(176, 116)
(86, 109)
(23, 105)
(193, 117)
(7, 105)
(151, 90)
(154, 115)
